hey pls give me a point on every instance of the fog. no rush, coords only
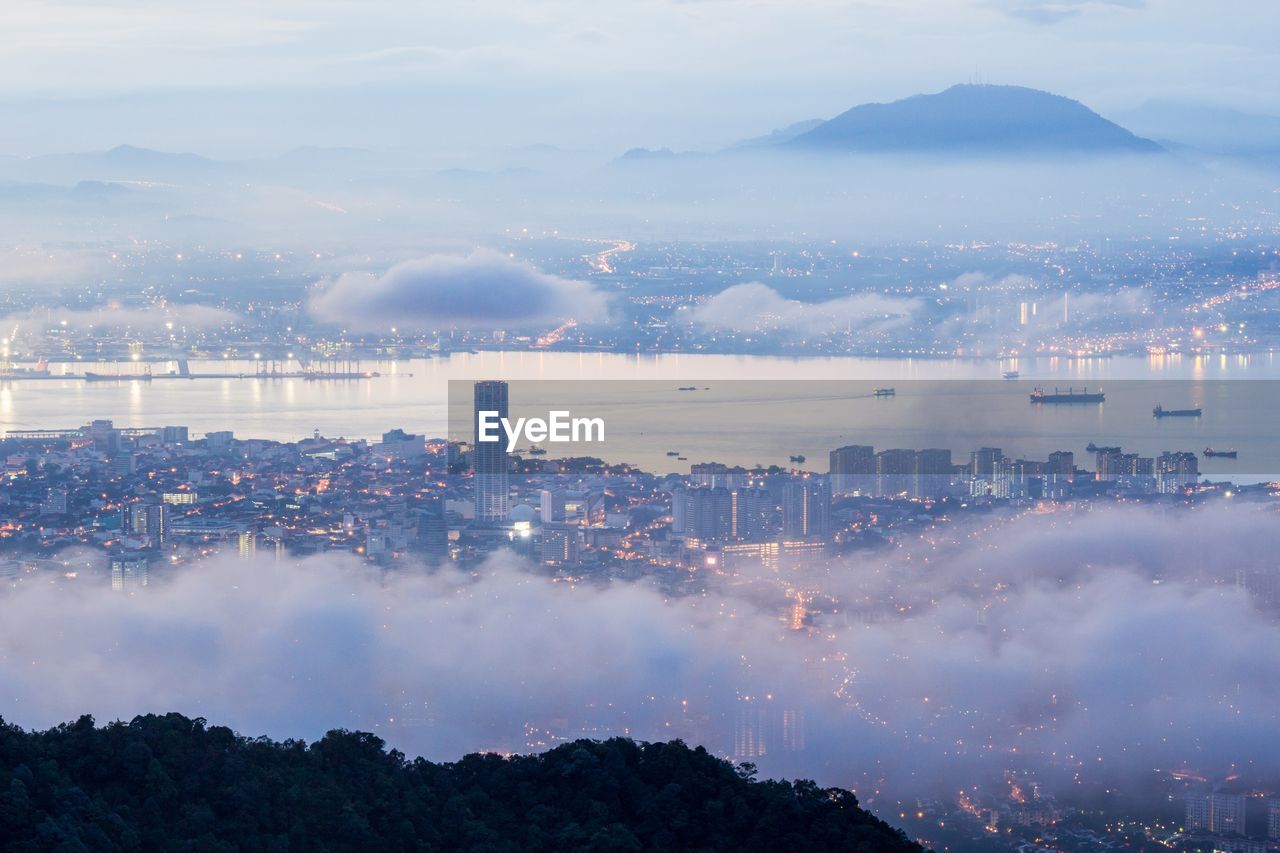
(1089, 647)
(399, 206)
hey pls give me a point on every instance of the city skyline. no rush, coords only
(667, 424)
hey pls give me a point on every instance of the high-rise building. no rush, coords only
(750, 726)
(991, 472)
(551, 502)
(400, 446)
(1211, 811)
(702, 513)
(931, 473)
(716, 475)
(984, 462)
(144, 518)
(219, 440)
(1002, 478)
(490, 460)
(1107, 462)
(806, 508)
(1176, 471)
(1135, 472)
(793, 739)
(753, 515)
(586, 507)
(561, 544)
(174, 435)
(128, 571)
(433, 533)
(853, 469)
(1061, 465)
(106, 438)
(1027, 479)
(272, 542)
(1059, 474)
(895, 472)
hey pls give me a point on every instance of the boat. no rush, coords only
(1093, 448)
(1071, 395)
(117, 377)
(799, 460)
(1009, 374)
(673, 452)
(683, 458)
(535, 450)
(41, 369)
(1210, 453)
(1161, 412)
(884, 392)
(687, 388)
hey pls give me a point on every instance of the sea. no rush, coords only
(666, 412)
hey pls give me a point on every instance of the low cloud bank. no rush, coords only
(1097, 645)
(481, 290)
(756, 307)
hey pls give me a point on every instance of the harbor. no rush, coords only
(263, 370)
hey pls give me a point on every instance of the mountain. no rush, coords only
(1212, 129)
(974, 120)
(122, 163)
(777, 137)
(173, 783)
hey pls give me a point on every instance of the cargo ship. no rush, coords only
(1210, 453)
(1161, 412)
(117, 377)
(1094, 448)
(1071, 395)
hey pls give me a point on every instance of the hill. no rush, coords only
(122, 163)
(779, 136)
(974, 120)
(1208, 128)
(173, 783)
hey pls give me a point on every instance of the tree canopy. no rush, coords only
(167, 782)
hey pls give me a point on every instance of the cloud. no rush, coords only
(990, 314)
(1032, 641)
(33, 265)
(756, 307)
(1047, 12)
(481, 290)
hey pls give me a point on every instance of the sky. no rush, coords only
(242, 77)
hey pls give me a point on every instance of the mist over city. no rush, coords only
(932, 347)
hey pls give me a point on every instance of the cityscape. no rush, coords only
(133, 510)
(657, 425)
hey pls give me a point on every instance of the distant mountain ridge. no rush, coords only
(976, 120)
(1208, 128)
(779, 136)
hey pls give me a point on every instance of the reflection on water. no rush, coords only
(412, 394)
(767, 422)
